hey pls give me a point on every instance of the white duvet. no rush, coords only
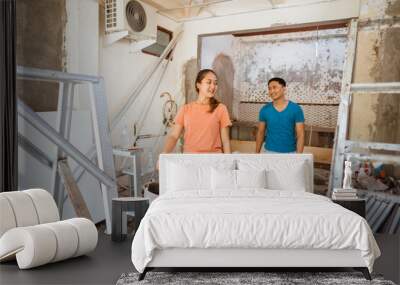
(253, 218)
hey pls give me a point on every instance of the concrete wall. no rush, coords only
(375, 117)
(40, 44)
(60, 35)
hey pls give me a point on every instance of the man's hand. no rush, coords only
(299, 137)
(260, 136)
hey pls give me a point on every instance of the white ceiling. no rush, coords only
(187, 10)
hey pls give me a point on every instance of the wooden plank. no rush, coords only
(298, 102)
(75, 196)
(296, 28)
(321, 155)
(317, 129)
(243, 146)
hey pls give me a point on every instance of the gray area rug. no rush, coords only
(228, 278)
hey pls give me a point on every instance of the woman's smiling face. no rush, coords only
(208, 85)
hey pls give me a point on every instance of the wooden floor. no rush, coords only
(111, 259)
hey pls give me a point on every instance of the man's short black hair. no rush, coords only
(279, 80)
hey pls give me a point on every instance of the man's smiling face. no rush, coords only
(276, 90)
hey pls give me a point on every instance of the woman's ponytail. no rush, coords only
(213, 104)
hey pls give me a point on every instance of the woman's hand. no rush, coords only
(172, 138)
(226, 143)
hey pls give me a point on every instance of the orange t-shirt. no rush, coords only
(202, 128)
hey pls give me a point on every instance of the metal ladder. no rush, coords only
(104, 171)
(344, 148)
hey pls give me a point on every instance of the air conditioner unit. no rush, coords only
(130, 19)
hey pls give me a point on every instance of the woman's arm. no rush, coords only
(226, 143)
(172, 138)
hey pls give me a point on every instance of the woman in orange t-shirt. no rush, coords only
(205, 122)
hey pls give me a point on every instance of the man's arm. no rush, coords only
(226, 144)
(299, 137)
(260, 136)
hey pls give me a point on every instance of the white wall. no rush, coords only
(82, 44)
(123, 70)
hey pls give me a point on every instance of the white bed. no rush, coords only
(222, 217)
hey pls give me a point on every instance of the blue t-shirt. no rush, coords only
(280, 135)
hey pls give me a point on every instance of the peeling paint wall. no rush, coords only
(310, 62)
(224, 68)
(217, 53)
(190, 73)
(40, 44)
(376, 117)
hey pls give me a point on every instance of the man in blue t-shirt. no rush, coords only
(281, 122)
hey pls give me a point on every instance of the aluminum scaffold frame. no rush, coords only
(104, 171)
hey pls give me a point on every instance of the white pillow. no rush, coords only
(282, 173)
(290, 178)
(183, 177)
(235, 179)
(251, 178)
(223, 179)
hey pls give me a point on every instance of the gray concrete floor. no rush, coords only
(102, 266)
(111, 259)
(389, 263)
